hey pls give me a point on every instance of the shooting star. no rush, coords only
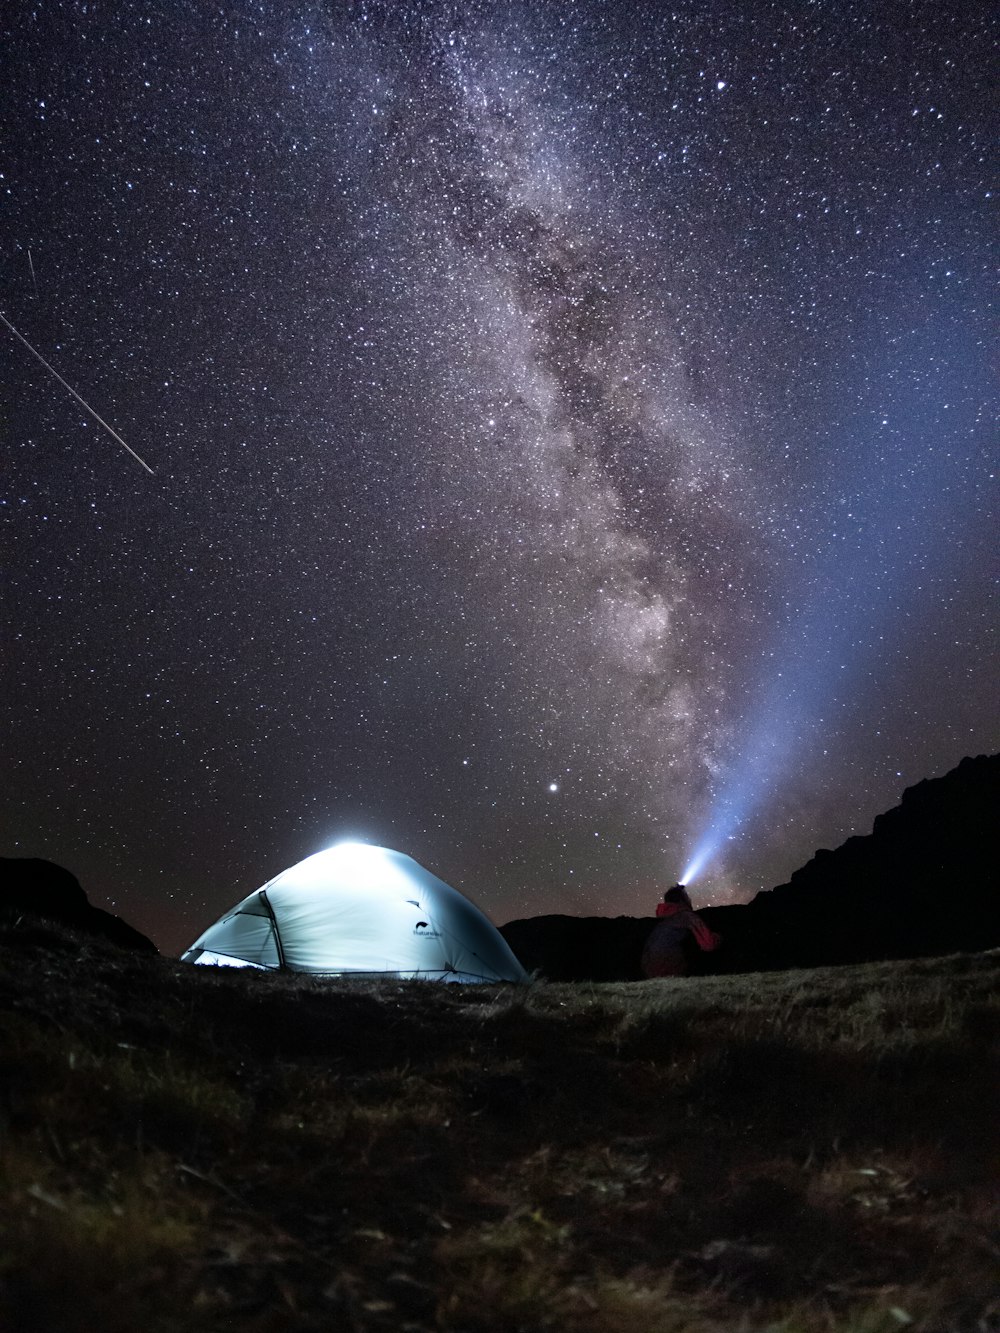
(85, 405)
(31, 265)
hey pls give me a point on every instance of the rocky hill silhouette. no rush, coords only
(34, 888)
(924, 882)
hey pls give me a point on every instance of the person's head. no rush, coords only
(678, 894)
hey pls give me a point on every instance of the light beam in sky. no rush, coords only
(83, 403)
(855, 594)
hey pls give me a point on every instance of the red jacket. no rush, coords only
(707, 939)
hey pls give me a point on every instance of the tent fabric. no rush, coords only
(243, 936)
(360, 909)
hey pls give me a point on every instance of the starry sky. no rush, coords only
(572, 433)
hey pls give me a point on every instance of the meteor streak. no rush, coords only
(85, 405)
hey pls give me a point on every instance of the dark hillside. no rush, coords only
(924, 882)
(189, 1149)
(37, 888)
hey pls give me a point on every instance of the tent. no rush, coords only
(359, 909)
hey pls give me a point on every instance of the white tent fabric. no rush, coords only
(360, 909)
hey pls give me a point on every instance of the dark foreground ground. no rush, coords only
(206, 1149)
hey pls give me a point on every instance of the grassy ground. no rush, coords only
(204, 1149)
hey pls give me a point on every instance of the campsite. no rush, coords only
(374, 1117)
(205, 1148)
(498, 498)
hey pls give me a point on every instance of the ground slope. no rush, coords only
(201, 1149)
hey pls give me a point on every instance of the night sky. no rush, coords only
(572, 429)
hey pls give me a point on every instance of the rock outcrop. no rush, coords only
(31, 887)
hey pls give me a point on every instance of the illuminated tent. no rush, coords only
(360, 909)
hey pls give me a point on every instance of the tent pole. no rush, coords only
(274, 925)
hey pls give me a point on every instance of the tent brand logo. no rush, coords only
(424, 931)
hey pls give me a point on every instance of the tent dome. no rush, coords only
(360, 909)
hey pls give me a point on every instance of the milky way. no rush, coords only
(572, 436)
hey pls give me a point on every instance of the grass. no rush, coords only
(205, 1149)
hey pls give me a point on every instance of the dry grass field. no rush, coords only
(196, 1149)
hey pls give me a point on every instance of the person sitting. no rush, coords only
(664, 954)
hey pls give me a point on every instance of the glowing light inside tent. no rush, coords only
(359, 860)
(355, 855)
(348, 857)
(354, 908)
